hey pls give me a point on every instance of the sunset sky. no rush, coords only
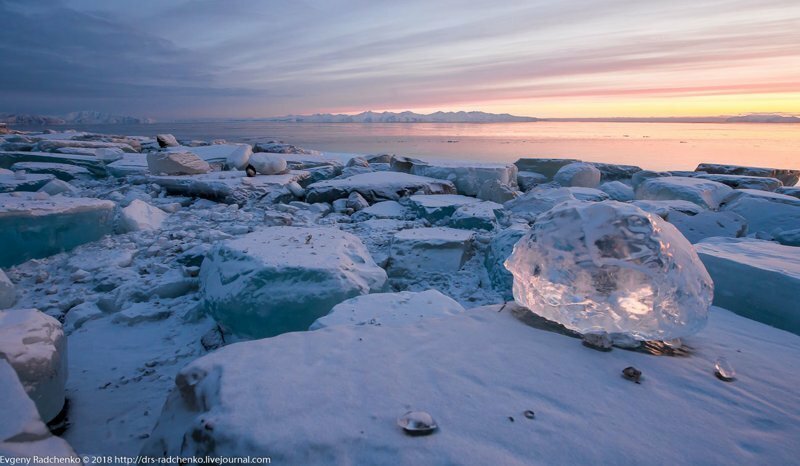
(249, 58)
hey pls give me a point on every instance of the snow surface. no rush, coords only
(475, 371)
(390, 309)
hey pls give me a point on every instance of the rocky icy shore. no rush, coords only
(207, 297)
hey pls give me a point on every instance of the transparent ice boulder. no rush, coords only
(611, 267)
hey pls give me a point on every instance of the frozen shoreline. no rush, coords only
(133, 305)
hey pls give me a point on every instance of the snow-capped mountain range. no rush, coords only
(405, 117)
(84, 117)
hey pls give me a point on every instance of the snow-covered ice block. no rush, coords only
(377, 186)
(56, 186)
(588, 194)
(617, 191)
(62, 171)
(705, 193)
(757, 279)
(390, 309)
(308, 161)
(239, 157)
(384, 209)
(527, 180)
(51, 145)
(789, 177)
(280, 147)
(764, 211)
(231, 154)
(643, 175)
(268, 164)
(538, 200)
(480, 215)
(8, 292)
(438, 206)
(545, 166)
(356, 202)
(436, 249)
(231, 186)
(140, 215)
(95, 165)
(793, 191)
(611, 267)
(664, 208)
(578, 174)
(281, 279)
(743, 182)
(32, 228)
(22, 432)
(176, 163)
(612, 171)
(708, 223)
(129, 164)
(23, 182)
(166, 140)
(495, 191)
(79, 315)
(474, 372)
(468, 177)
(103, 152)
(35, 346)
(788, 237)
(500, 248)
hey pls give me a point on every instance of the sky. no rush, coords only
(176, 59)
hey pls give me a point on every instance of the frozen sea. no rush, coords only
(655, 146)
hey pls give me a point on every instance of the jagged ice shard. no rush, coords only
(611, 267)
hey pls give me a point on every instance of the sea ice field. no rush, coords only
(170, 298)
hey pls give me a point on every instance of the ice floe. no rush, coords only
(757, 279)
(281, 279)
